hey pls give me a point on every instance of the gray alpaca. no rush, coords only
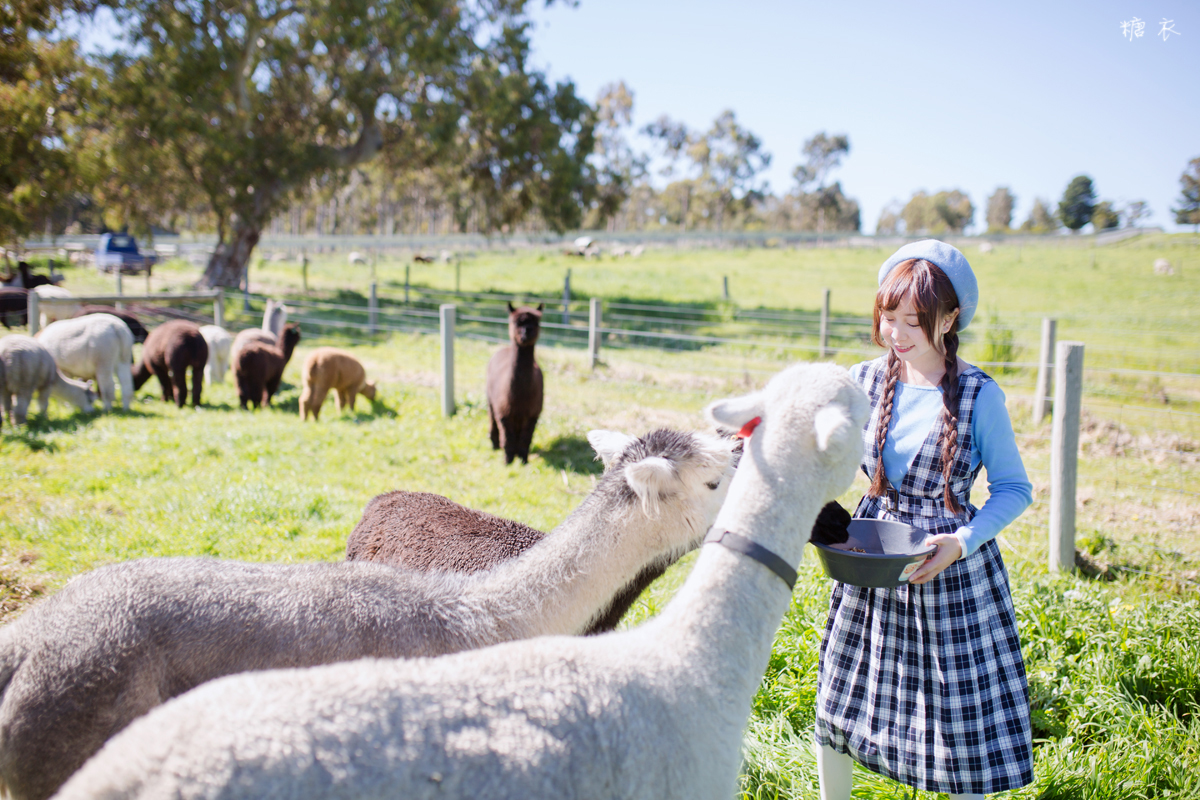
(116, 642)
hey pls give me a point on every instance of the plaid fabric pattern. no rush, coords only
(926, 684)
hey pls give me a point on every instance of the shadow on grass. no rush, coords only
(571, 453)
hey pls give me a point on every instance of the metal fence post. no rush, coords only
(566, 303)
(372, 310)
(824, 351)
(725, 287)
(1045, 374)
(406, 269)
(1064, 453)
(447, 317)
(594, 332)
(34, 312)
(219, 309)
(304, 268)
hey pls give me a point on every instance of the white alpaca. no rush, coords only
(53, 312)
(118, 641)
(28, 367)
(655, 713)
(95, 346)
(219, 343)
(275, 317)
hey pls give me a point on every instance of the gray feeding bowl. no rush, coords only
(894, 551)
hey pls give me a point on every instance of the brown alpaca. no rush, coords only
(422, 531)
(514, 386)
(329, 368)
(14, 307)
(258, 367)
(170, 350)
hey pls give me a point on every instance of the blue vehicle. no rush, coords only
(120, 251)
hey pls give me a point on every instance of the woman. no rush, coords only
(925, 683)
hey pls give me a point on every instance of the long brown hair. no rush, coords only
(934, 298)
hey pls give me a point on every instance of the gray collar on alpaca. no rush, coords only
(740, 544)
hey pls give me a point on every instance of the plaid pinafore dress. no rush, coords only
(925, 684)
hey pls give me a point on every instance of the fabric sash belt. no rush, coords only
(740, 544)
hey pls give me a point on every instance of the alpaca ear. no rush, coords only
(510, 308)
(832, 425)
(649, 478)
(541, 306)
(736, 411)
(608, 444)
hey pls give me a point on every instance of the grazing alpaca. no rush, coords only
(258, 367)
(118, 641)
(657, 712)
(27, 367)
(329, 368)
(135, 325)
(14, 307)
(95, 346)
(219, 343)
(514, 386)
(171, 349)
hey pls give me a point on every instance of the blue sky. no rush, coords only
(934, 95)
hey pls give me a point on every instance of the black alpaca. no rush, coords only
(514, 386)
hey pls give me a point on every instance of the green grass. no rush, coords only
(1114, 666)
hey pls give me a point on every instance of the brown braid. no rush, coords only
(879, 482)
(950, 415)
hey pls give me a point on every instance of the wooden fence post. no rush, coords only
(120, 306)
(447, 316)
(406, 269)
(594, 332)
(1064, 454)
(566, 301)
(219, 309)
(1045, 374)
(372, 309)
(33, 311)
(246, 288)
(725, 287)
(824, 351)
(304, 267)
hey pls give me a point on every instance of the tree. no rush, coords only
(889, 219)
(918, 214)
(37, 103)
(619, 167)
(999, 210)
(1105, 216)
(250, 107)
(1041, 218)
(1078, 203)
(724, 161)
(1135, 212)
(954, 211)
(824, 153)
(1188, 212)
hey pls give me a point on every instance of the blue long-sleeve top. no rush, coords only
(917, 409)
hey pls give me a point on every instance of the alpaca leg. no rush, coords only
(106, 388)
(526, 439)
(493, 428)
(20, 414)
(305, 399)
(340, 395)
(834, 772)
(179, 386)
(6, 411)
(197, 386)
(509, 438)
(164, 381)
(125, 376)
(43, 401)
(351, 396)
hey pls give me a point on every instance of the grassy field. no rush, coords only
(1114, 664)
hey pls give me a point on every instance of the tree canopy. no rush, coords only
(1078, 203)
(1041, 218)
(1188, 212)
(247, 107)
(1000, 210)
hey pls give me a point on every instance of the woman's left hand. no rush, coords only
(948, 551)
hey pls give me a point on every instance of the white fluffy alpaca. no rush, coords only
(29, 368)
(219, 343)
(654, 713)
(95, 346)
(51, 313)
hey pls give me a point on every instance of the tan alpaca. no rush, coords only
(329, 368)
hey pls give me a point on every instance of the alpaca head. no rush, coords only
(524, 324)
(672, 483)
(368, 390)
(808, 438)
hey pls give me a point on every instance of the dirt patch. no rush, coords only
(19, 585)
(1104, 437)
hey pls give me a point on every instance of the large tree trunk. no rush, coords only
(228, 262)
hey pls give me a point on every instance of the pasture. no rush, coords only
(1114, 664)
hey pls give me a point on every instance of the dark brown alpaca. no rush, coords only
(14, 307)
(170, 350)
(258, 367)
(422, 531)
(133, 323)
(30, 280)
(514, 386)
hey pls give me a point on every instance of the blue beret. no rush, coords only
(950, 261)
